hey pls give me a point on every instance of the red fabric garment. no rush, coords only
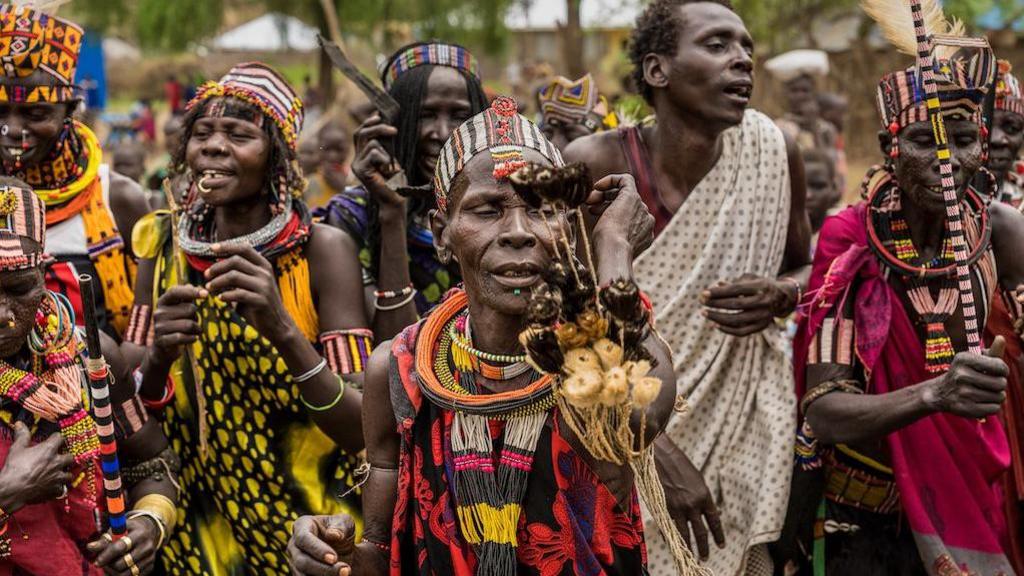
(949, 470)
(570, 522)
(642, 171)
(1000, 323)
(56, 537)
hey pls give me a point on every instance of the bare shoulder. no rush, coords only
(1007, 242)
(126, 195)
(601, 152)
(325, 241)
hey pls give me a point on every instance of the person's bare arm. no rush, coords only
(601, 152)
(797, 258)
(1008, 245)
(974, 387)
(128, 204)
(326, 544)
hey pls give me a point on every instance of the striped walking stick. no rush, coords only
(102, 411)
(954, 218)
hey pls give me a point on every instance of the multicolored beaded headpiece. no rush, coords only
(1009, 96)
(259, 85)
(31, 40)
(574, 102)
(22, 228)
(962, 84)
(432, 53)
(499, 129)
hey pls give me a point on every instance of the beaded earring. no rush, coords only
(984, 143)
(894, 150)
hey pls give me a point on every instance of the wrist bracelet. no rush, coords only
(396, 306)
(385, 548)
(156, 520)
(311, 373)
(164, 400)
(799, 290)
(393, 294)
(326, 407)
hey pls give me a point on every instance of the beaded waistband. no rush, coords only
(857, 481)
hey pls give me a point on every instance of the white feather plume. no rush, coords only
(897, 23)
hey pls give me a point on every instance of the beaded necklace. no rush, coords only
(488, 490)
(71, 167)
(889, 236)
(52, 390)
(469, 359)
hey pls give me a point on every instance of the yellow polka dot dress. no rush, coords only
(265, 464)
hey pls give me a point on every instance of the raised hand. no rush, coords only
(974, 386)
(373, 165)
(175, 323)
(246, 279)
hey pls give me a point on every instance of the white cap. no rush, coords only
(796, 63)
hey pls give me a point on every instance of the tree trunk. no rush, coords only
(328, 24)
(572, 41)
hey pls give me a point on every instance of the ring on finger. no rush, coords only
(135, 570)
(129, 561)
(127, 544)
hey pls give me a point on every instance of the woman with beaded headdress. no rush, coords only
(52, 505)
(446, 391)
(252, 323)
(437, 85)
(1008, 138)
(89, 208)
(898, 417)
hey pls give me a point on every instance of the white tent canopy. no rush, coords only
(547, 14)
(272, 32)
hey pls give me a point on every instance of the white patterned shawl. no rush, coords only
(740, 430)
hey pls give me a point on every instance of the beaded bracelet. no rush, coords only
(385, 548)
(396, 306)
(326, 407)
(393, 294)
(848, 386)
(164, 400)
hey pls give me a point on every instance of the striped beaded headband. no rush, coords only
(1009, 96)
(259, 85)
(22, 228)
(503, 132)
(962, 87)
(428, 53)
(31, 40)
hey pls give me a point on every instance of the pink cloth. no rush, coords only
(56, 536)
(949, 470)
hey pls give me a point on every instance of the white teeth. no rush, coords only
(213, 174)
(15, 151)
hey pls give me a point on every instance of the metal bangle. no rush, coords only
(333, 403)
(311, 373)
(396, 306)
(133, 514)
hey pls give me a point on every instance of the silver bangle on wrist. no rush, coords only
(311, 373)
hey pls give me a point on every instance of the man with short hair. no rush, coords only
(727, 192)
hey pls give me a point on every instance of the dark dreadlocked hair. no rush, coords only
(408, 90)
(282, 168)
(657, 32)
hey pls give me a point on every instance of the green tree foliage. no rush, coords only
(174, 24)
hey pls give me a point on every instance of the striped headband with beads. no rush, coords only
(428, 53)
(259, 85)
(503, 132)
(1009, 96)
(22, 228)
